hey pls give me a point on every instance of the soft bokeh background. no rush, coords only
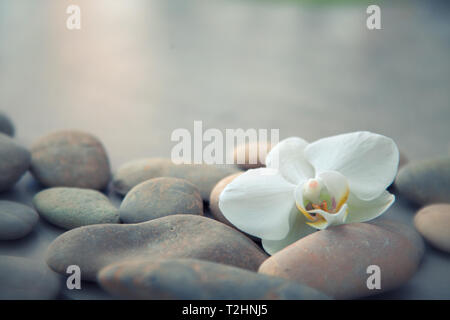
(139, 69)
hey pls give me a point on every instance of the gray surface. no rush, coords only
(140, 69)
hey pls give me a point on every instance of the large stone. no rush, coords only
(16, 220)
(160, 197)
(186, 279)
(74, 207)
(335, 261)
(23, 278)
(6, 125)
(14, 162)
(70, 159)
(176, 236)
(433, 223)
(425, 182)
(203, 176)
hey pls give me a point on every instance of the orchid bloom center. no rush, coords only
(317, 196)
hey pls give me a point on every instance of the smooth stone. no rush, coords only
(190, 279)
(160, 197)
(403, 160)
(335, 261)
(70, 208)
(70, 159)
(214, 198)
(27, 279)
(6, 125)
(14, 162)
(425, 182)
(16, 220)
(203, 176)
(176, 236)
(433, 223)
(245, 161)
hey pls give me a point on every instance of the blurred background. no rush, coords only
(139, 69)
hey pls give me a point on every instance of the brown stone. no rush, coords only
(214, 198)
(433, 223)
(335, 261)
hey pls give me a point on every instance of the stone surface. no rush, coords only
(16, 220)
(175, 236)
(186, 279)
(425, 182)
(74, 207)
(214, 198)
(6, 125)
(23, 278)
(70, 159)
(335, 261)
(160, 197)
(433, 223)
(203, 176)
(14, 162)
(251, 155)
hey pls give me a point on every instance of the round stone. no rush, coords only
(251, 155)
(70, 159)
(160, 197)
(425, 182)
(433, 223)
(70, 208)
(203, 176)
(186, 279)
(14, 162)
(6, 125)
(177, 236)
(214, 198)
(16, 220)
(27, 279)
(336, 261)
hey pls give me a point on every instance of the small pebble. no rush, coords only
(16, 220)
(6, 125)
(70, 208)
(433, 223)
(14, 162)
(251, 155)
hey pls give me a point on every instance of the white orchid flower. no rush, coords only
(304, 187)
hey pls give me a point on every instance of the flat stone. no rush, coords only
(425, 182)
(16, 220)
(160, 197)
(6, 125)
(14, 162)
(203, 176)
(186, 279)
(176, 236)
(27, 279)
(246, 158)
(70, 208)
(335, 261)
(433, 223)
(70, 159)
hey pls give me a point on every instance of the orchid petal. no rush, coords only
(361, 211)
(369, 161)
(325, 219)
(259, 202)
(337, 186)
(288, 157)
(298, 230)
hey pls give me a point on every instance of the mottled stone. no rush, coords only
(425, 182)
(23, 278)
(16, 220)
(203, 176)
(335, 261)
(14, 162)
(251, 155)
(214, 198)
(160, 197)
(70, 159)
(6, 125)
(186, 279)
(70, 208)
(433, 223)
(176, 236)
